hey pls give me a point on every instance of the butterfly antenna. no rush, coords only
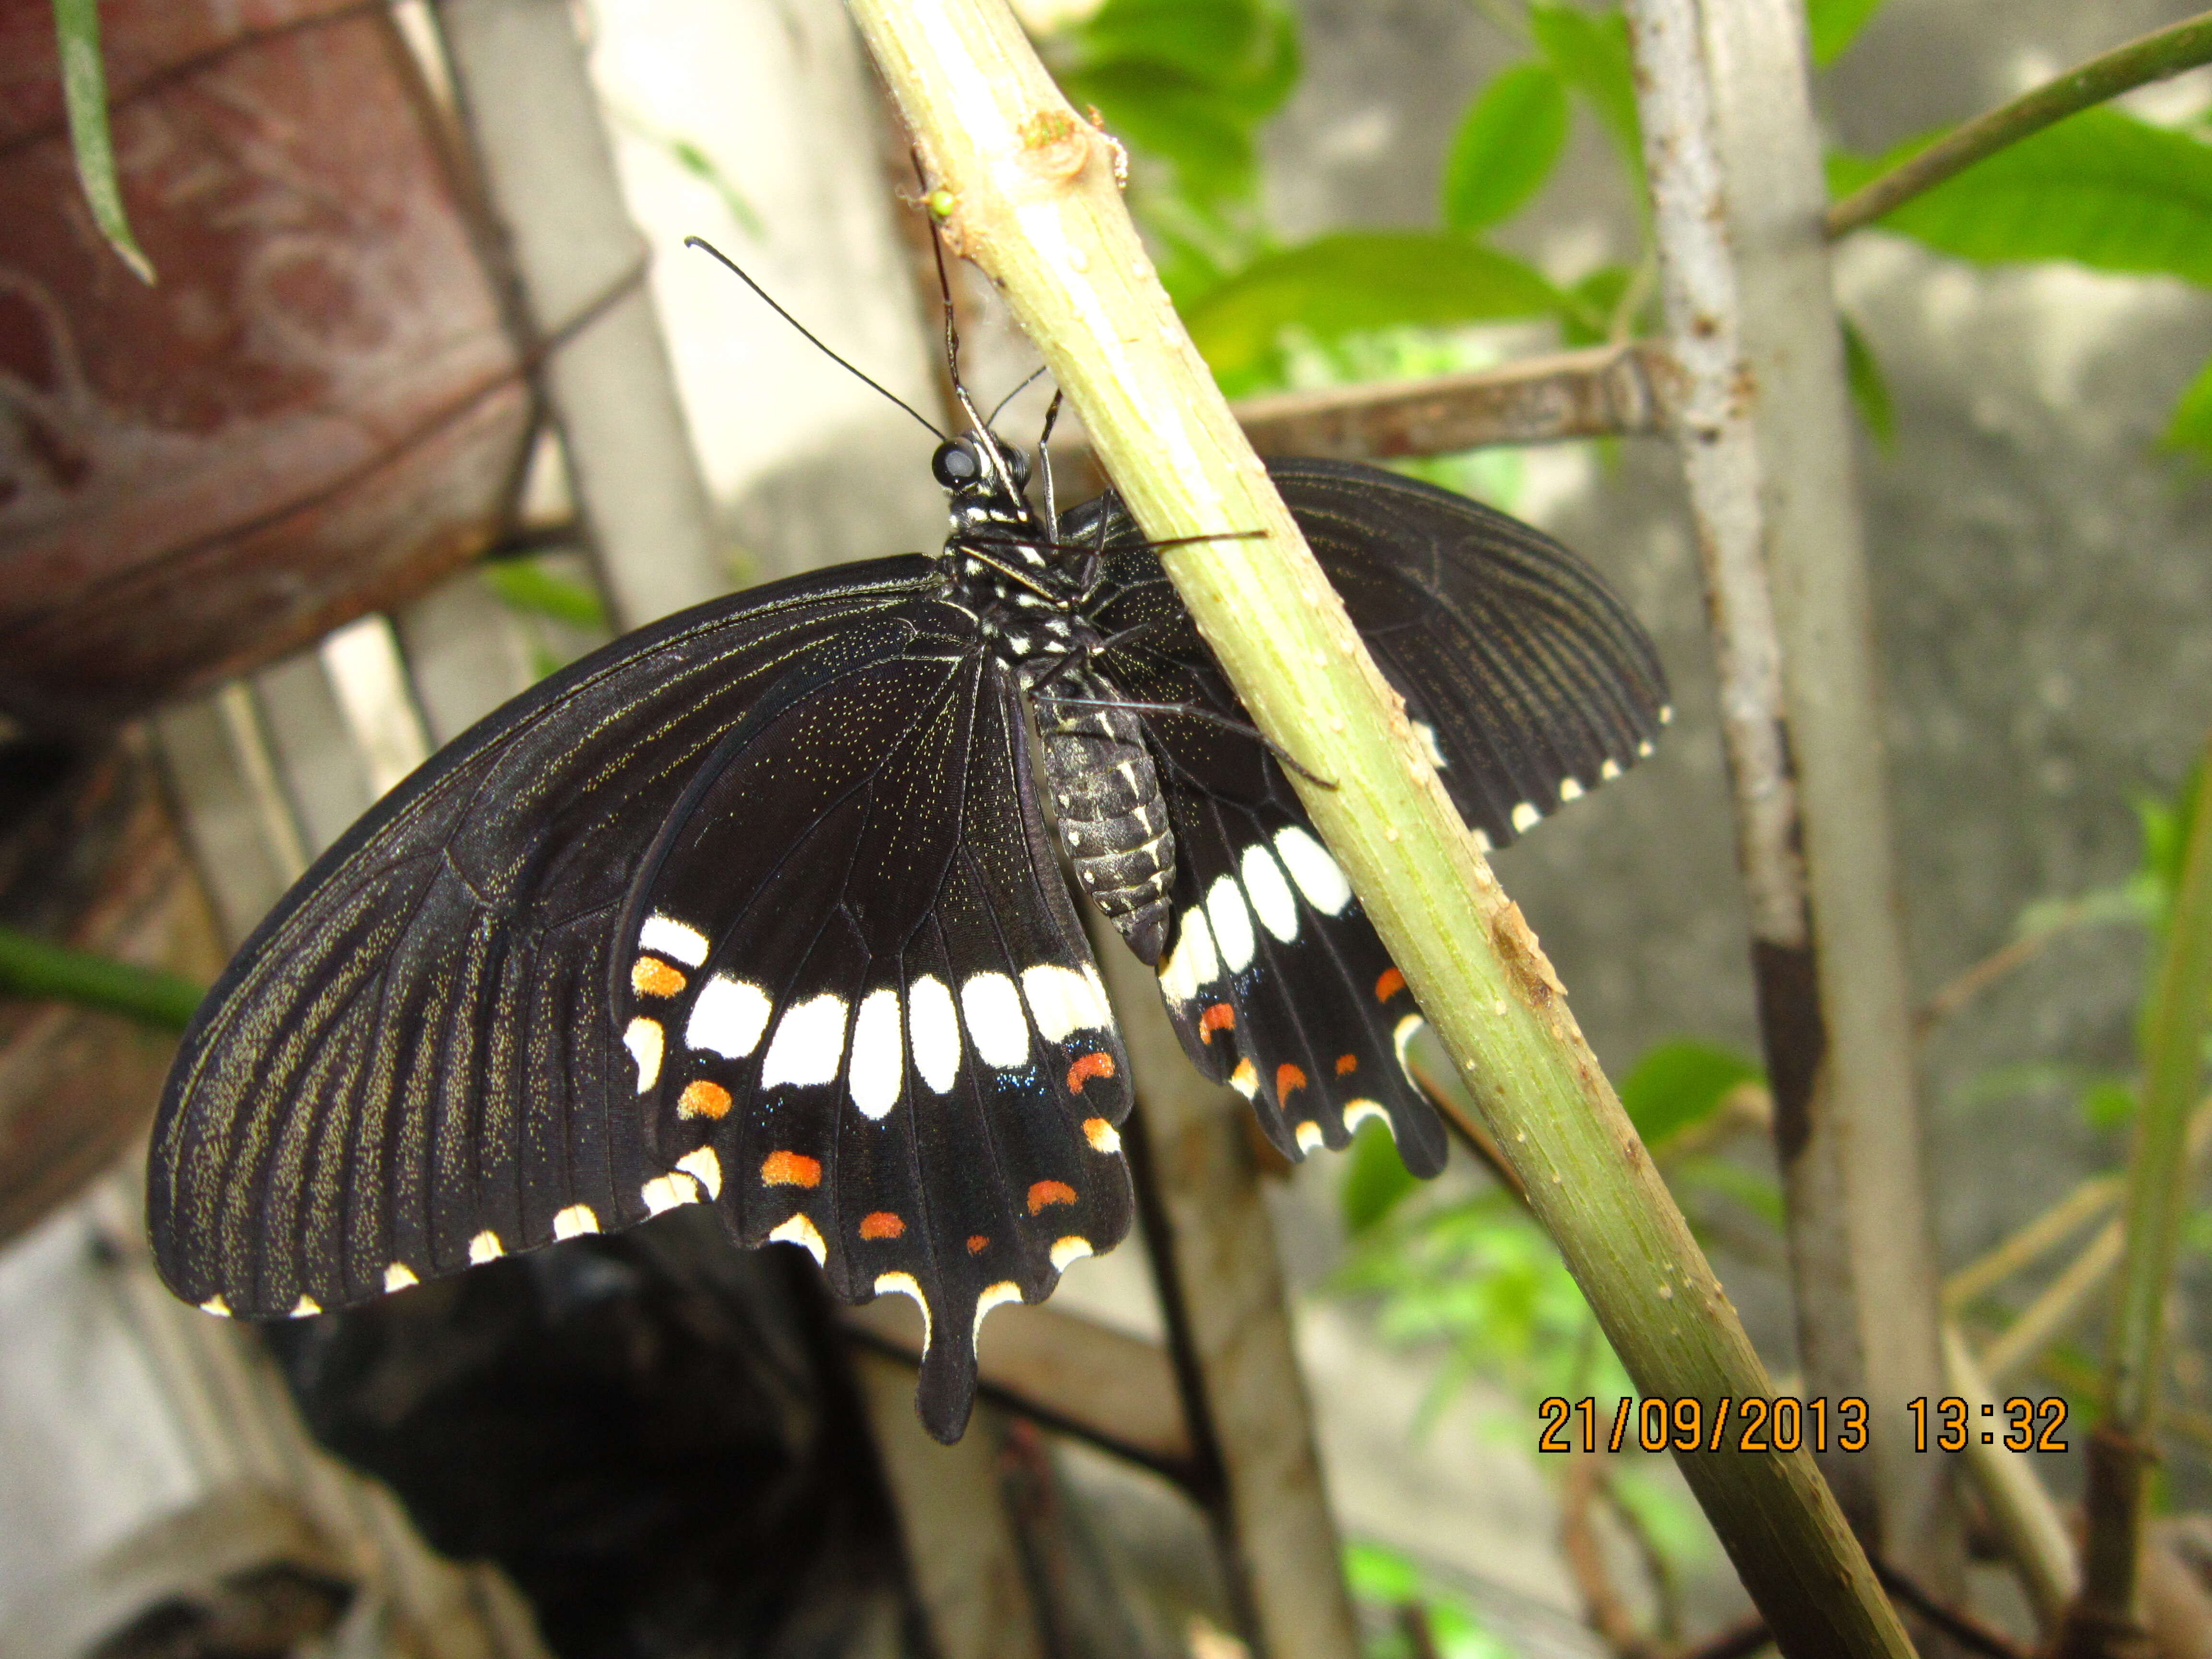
(1044, 456)
(1035, 374)
(811, 339)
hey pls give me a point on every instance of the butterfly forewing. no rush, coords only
(410, 1065)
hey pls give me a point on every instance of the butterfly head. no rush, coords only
(982, 470)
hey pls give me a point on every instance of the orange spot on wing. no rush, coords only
(649, 976)
(1287, 1078)
(881, 1224)
(1086, 1068)
(1219, 1017)
(1390, 985)
(790, 1170)
(1346, 1064)
(703, 1099)
(1046, 1192)
(1101, 1134)
(978, 1242)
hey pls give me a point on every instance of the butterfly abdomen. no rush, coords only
(1113, 820)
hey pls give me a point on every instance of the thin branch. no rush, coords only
(1966, 1629)
(1031, 198)
(2058, 1307)
(2019, 1505)
(1611, 391)
(2158, 1181)
(1604, 1611)
(2031, 1242)
(2153, 58)
(37, 969)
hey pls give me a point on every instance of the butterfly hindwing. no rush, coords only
(1534, 684)
(880, 1034)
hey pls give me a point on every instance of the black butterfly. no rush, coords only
(760, 906)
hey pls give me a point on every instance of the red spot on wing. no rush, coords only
(790, 1170)
(1346, 1064)
(703, 1099)
(881, 1224)
(978, 1242)
(1045, 1193)
(1219, 1017)
(1087, 1067)
(1287, 1078)
(649, 976)
(1390, 985)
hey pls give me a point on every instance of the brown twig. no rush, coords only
(1603, 1610)
(1963, 1628)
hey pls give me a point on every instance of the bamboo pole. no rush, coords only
(1026, 190)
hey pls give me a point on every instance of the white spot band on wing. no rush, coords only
(1069, 1250)
(576, 1219)
(1269, 893)
(729, 1017)
(993, 1295)
(801, 1231)
(1062, 1002)
(934, 1030)
(1356, 1112)
(667, 937)
(1232, 923)
(485, 1247)
(1192, 963)
(398, 1276)
(704, 1167)
(1308, 1136)
(808, 1044)
(642, 1039)
(1402, 1038)
(1317, 874)
(995, 1024)
(1525, 818)
(667, 1192)
(878, 1064)
(906, 1284)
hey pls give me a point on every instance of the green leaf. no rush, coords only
(1376, 1574)
(1359, 280)
(2101, 188)
(1590, 52)
(1869, 389)
(526, 585)
(2108, 1103)
(1242, 54)
(1507, 144)
(1679, 1083)
(1375, 1179)
(2189, 428)
(1160, 113)
(1592, 303)
(1834, 24)
(84, 92)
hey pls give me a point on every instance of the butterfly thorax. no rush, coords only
(1002, 564)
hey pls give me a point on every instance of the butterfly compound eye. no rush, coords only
(954, 464)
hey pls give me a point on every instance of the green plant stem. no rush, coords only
(37, 970)
(2153, 58)
(84, 95)
(2158, 1172)
(1033, 203)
